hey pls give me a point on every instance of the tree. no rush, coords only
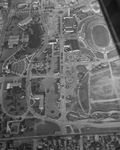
(35, 59)
(77, 137)
(118, 148)
(34, 71)
(50, 138)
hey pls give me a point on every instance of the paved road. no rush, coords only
(53, 135)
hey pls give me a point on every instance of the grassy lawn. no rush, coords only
(38, 127)
(1, 64)
(83, 94)
(47, 128)
(51, 99)
(0, 84)
(105, 106)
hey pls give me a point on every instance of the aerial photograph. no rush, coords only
(59, 77)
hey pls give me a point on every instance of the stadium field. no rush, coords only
(100, 36)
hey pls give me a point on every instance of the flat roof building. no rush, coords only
(13, 39)
(53, 41)
(25, 21)
(22, 5)
(70, 22)
(40, 98)
(10, 85)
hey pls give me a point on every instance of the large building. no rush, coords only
(13, 39)
(22, 5)
(25, 21)
(69, 24)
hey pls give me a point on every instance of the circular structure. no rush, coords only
(95, 34)
(100, 36)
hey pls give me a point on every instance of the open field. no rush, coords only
(112, 53)
(83, 94)
(105, 106)
(102, 92)
(39, 127)
(52, 97)
(115, 66)
(100, 78)
(47, 128)
(93, 130)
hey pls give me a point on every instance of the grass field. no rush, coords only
(105, 106)
(51, 99)
(100, 36)
(100, 78)
(39, 127)
(96, 130)
(115, 66)
(103, 92)
(47, 128)
(83, 94)
(112, 53)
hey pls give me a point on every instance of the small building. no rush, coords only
(41, 99)
(53, 41)
(10, 85)
(22, 27)
(25, 21)
(69, 30)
